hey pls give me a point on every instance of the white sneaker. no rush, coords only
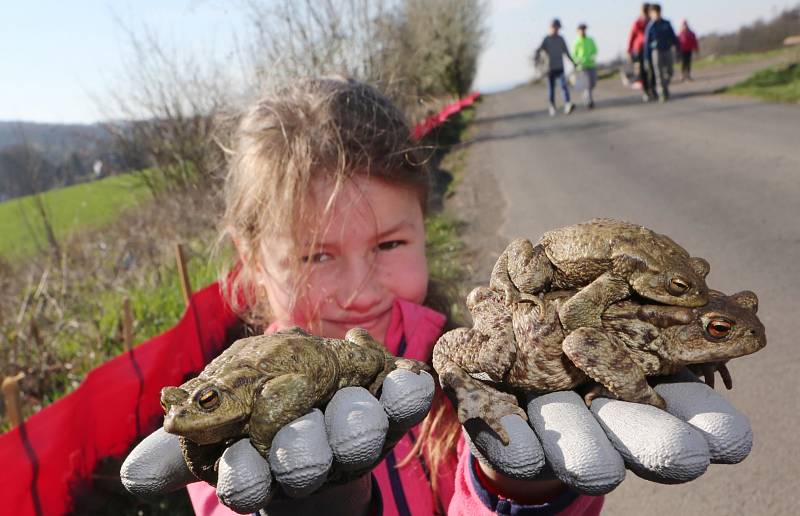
(552, 110)
(569, 107)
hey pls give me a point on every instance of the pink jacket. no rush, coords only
(407, 491)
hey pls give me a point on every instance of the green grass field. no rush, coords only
(744, 57)
(82, 206)
(778, 84)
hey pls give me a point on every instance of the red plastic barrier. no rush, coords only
(117, 403)
(433, 121)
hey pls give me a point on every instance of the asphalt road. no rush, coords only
(721, 176)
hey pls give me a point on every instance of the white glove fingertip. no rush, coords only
(155, 466)
(300, 456)
(522, 459)
(356, 424)
(727, 431)
(577, 449)
(655, 445)
(406, 396)
(244, 483)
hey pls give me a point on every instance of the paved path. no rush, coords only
(719, 174)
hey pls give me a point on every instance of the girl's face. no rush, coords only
(370, 250)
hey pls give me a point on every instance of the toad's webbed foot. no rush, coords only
(597, 391)
(477, 400)
(522, 268)
(709, 368)
(415, 366)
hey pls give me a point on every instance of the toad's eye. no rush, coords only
(208, 399)
(677, 286)
(719, 328)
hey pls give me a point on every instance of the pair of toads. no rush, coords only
(604, 304)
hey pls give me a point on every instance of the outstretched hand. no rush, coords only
(589, 449)
(310, 458)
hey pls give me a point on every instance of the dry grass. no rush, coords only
(60, 320)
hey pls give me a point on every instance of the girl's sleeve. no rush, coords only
(471, 497)
(205, 502)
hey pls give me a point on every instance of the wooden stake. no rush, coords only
(10, 388)
(127, 324)
(183, 274)
(37, 338)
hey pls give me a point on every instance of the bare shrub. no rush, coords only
(164, 111)
(756, 37)
(439, 44)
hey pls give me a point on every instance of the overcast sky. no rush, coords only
(55, 54)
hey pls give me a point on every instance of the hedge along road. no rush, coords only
(719, 174)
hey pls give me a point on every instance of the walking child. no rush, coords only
(636, 50)
(555, 49)
(584, 51)
(659, 40)
(687, 43)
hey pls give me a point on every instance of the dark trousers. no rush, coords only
(552, 77)
(686, 64)
(642, 71)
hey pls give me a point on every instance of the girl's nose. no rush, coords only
(360, 286)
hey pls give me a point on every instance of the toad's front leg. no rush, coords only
(281, 401)
(462, 355)
(521, 269)
(585, 308)
(607, 362)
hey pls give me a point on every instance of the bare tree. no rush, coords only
(311, 37)
(165, 106)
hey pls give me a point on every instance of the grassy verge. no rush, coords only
(778, 84)
(83, 206)
(745, 57)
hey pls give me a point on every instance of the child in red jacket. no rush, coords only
(687, 44)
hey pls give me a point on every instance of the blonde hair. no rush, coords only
(318, 128)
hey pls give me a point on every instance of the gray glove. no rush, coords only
(589, 450)
(320, 460)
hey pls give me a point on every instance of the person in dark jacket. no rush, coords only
(659, 38)
(687, 43)
(636, 51)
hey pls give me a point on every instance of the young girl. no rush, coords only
(325, 203)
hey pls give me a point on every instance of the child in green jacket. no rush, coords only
(583, 52)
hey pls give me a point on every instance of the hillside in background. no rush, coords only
(37, 157)
(756, 37)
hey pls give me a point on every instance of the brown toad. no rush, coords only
(260, 384)
(611, 259)
(524, 349)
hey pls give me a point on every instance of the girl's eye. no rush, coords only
(316, 258)
(390, 244)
